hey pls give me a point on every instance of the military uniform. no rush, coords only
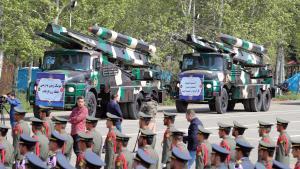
(220, 151)
(228, 143)
(97, 137)
(296, 146)
(8, 148)
(182, 155)
(279, 165)
(34, 161)
(21, 127)
(244, 162)
(85, 138)
(29, 142)
(62, 162)
(47, 125)
(240, 128)
(149, 106)
(42, 146)
(143, 160)
(93, 161)
(124, 158)
(147, 117)
(264, 146)
(60, 140)
(203, 152)
(283, 147)
(265, 137)
(148, 148)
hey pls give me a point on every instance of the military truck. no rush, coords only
(100, 65)
(224, 73)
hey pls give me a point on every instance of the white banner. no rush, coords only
(190, 86)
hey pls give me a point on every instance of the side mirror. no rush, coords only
(180, 64)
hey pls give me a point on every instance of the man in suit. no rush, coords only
(113, 107)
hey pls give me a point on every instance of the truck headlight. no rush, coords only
(71, 89)
(208, 86)
(178, 85)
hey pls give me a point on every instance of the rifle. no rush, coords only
(136, 141)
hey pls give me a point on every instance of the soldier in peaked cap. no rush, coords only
(110, 141)
(169, 119)
(44, 114)
(60, 126)
(227, 142)
(179, 158)
(204, 149)
(62, 162)
(143, 160)
(56, 144)
(21, 127)
(279, 165)
(91, 123)
(283, 147)
(144, 123)
(8, 148)
(144, 141)
(34, 162)
(264, 128)
(242, 153)
(85, 143)
(26, 145)
(296, 152)
(219, 156)
(266, 151)
(41, 147)
(238, 131)
(124, 158)
(93, 161)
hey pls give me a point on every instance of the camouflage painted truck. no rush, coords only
(101, 65)
(224, 73)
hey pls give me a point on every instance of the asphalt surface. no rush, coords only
(289, 110)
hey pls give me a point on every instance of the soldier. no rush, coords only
(60, 126)
(279, 165)
(296, 152)
(56, 144)
(41, 147)
(110, 141)
(85, 143)
(91, 123)
(26, 145)
(93, 161)
(227, 142)
(283, 147)
(21, 127)
(8, 148)
(44, 113)
(143, 160)
(63, 162)
(264, 129)
(204, 149)
(238, 131)
(149, 106)
(179, 158)
(33, 161)
(242, 153)
(124, 158)
(144, 123)
(219, 157)
(144, 141)
(169, 119)
(266, 151)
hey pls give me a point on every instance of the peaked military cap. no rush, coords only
(2, 166)
(56, 137)
(141, 155)
(112, 116)
(35, 162)
(122, 137)
(90, 119)
(180, 154)
(45, 109)
(142, 115)
(82, 136)
(281, 121)
(244, 145)
(59, 120)
(36, 122)
(296, 143)
(147, 133)
(218, 149)
(62, 161)
(238, 125)
(263, 124)
(169, 115)
(26, 139)
(176, 132)
(223, 126)
(3, 126)
(140, 167)
(201, 130)
(19, 110)
(259, 165)
(93, 159)
(279, 165)
(266, 146)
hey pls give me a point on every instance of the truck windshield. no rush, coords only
(61, 61)
(204, 62)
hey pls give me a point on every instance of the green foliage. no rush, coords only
(288, 96)
(168, 102)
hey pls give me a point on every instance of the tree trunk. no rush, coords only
(279, 75)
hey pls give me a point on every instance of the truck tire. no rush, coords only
(91, 103)
(135, 107)
(212, 106)
(124, 110)
(247, 105)
(266, 100)
(36, 111)
(255, 103)
(181, 106)
(222, 102)
(231, 105)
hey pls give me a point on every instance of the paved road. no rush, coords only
(286, 110)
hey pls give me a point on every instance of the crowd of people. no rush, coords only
(47, 144)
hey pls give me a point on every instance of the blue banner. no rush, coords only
(191, 87)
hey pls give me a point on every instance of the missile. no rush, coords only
(128, 41)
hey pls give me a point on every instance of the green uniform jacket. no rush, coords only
(69, 144)
(229, 144)
(20, 128)
(110, 148)
(265, 138)
(9, 153)
(283, 148)
(183, 147)
(203, 154)
(97, 140)
(129, 157)
(166, 144)
(50, 125)
(153, 155)
(43, 145)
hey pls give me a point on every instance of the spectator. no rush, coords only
(14, 102)
(191, 139)
(114, 108)
(77, 120)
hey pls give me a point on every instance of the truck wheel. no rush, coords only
(91, 103)
(181, 106)
(212, 106)
(266, 100)
(247, 105)
(222, 102)
(231, 105)
(135, 107)
(36, 111)
(124, 110)
(255, 103)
